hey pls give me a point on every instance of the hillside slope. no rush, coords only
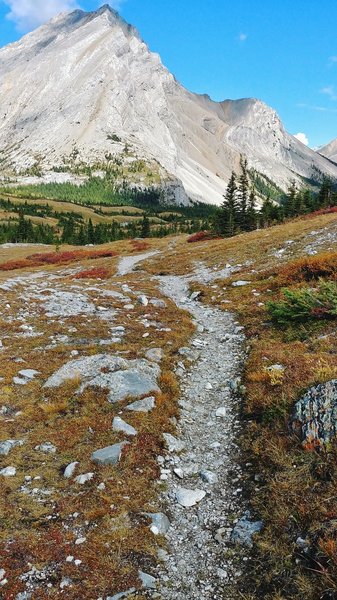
(330, 150)
(84, 85)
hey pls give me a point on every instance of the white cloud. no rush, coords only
(330, 91)
(28, 14)
(302, 138)
(243, 37)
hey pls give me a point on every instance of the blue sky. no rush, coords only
(284, 54)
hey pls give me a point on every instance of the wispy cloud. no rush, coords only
(242, 37)
(329, 91)
(302, 137)
(28, 14)
(317, 108)
(332, 61)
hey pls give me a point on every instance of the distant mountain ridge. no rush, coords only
(330, 150)
(86, 86)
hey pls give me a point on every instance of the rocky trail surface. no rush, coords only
(201, 467)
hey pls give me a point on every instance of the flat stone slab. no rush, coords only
(28, 373)
(188, 498)
(109, 455)
(121, 377)
(145, 405)
(119, 425)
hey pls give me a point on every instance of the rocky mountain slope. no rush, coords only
(84, 85)
(330, 150)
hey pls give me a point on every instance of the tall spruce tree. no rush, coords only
(290, 200)
(251, 217)
(227, 222)
(243, 194)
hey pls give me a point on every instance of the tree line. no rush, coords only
(239, 213)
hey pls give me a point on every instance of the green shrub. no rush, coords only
(306, 303)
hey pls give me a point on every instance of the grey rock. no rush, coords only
(315, 415)
(121, 377)
(188, 498)
(28, 373)
(160, 522)
(147, 580)
(240, 283)
(221, 412)
(158, 303)
(145, 405)
(46, 447)
(119, 425)
(195, 295)
(209, 476)
(173, 444)
(84, 478)
(23, 596)
(8, 445)
(8, 472)
(244, 530)
(109, 455)
(154, 354)
(70, 469)
(143, 300)
(20, 380)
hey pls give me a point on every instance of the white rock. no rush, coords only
(188, 498)
(221, 412)
(119, 425)
(145, 405)
(143, 300)
(70, 469)
(8, 472)
(82, 479)
(173, 444)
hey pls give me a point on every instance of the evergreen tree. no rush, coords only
(90, 232)
(290, 200)
(251, 218)
(325, 194)
(243, 194)
(145, 230)
(228, 216)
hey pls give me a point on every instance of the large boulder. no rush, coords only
(121, 377)
(315, 415)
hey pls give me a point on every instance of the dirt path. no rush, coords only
(128, 263)
(203, 465)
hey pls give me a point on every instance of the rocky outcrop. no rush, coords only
(123, 378)
(315, 415)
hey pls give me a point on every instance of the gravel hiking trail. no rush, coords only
(201, 470)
